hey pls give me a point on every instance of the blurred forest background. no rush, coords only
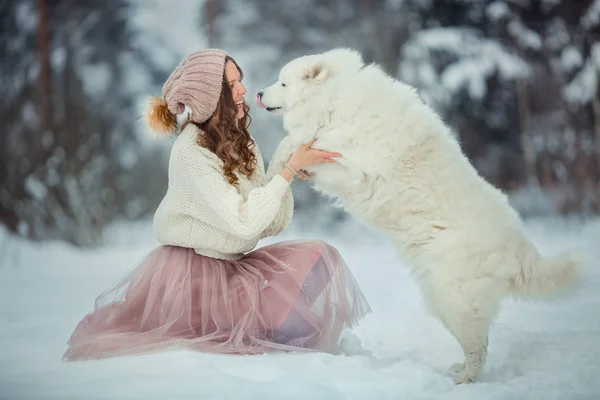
(519, 80)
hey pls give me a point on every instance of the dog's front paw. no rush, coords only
(306, 176)
(280, 158)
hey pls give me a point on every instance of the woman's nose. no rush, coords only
(242, 89)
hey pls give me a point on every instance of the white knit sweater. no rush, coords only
(203, 211)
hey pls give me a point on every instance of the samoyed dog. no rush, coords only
(403, 172)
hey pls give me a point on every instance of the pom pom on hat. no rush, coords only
(158, 116)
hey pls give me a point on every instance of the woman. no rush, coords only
(207, 287)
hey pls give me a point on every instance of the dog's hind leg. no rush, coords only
(468, 318)
(475, 349)
(471, 333)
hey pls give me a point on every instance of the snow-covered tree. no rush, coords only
(68, 137)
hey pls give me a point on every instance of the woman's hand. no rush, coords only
(306, 156)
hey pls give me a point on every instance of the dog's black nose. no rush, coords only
(260, 94)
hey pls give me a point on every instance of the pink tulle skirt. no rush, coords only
(289, 296)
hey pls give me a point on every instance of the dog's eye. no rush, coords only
(283, 84)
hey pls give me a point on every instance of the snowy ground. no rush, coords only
(537, 351)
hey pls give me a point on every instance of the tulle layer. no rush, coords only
(289, 296)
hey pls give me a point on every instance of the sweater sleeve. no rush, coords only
(283, 217)
(229, 211)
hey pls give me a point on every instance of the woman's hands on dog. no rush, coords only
(306, 156)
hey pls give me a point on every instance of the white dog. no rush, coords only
(402, 171)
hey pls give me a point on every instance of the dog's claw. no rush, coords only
(464, 379)
(459, 368)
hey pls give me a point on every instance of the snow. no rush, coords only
(582, 88)
(592, 16)
(98, 77)
(527, 37)
(571, 58)
(497, 10)
(537, 350)
(557, 35)
(36, 188)
(548, 5)
(23, 17)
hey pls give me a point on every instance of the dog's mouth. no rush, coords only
(260, 104)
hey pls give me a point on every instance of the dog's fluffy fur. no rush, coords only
(403, 172)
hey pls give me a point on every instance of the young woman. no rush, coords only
(207, 287)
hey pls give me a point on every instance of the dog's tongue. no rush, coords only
(258, 102)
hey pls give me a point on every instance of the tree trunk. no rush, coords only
(45, 76)
(525, 129)
(596, 110)
(524, 113)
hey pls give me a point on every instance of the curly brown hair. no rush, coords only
(227, 136)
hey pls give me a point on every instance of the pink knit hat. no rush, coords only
(196, 83)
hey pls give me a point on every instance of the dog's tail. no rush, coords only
(542, 277)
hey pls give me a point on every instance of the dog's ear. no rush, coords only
(317, 73)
